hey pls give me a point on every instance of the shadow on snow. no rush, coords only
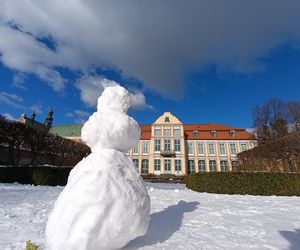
(293, 237)
(163, 224)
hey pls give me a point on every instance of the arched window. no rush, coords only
(201, 166)
(136, 163)
(224, 166)
(145, 164)
(212, 166)
(213, 133)
(191, 166)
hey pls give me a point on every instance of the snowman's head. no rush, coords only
(114, 99)
(110, 127)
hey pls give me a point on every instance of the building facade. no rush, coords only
(170, 147)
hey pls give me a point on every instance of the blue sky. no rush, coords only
(205, 78)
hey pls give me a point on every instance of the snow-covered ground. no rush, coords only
(181, 219)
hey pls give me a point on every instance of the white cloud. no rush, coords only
(38, 108)
(91, 88)
(18, 80)
(9, 116)
(152, 41)
(12, 100)
(79, 115)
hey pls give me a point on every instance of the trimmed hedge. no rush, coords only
(252, 183)
(37, 175)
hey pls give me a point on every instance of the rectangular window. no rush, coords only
(222, 149)
(135, 149)
(201, 166)
(224, 166)
(176, 131)
(177, 165)
(167, 131)
(167, 145)
(167, 166)
(200, 148)
(136, 163)
(157, 145)
(157, 164)
(157, 131)
(145, 166)
(244, 146)
(212, 166)
(232, 148)
(191, 166)
(211, 148)
(177, 145)
(145, 147)
(190, 148)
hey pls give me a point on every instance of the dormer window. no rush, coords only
(195, 133)
(167, 119)
(232, 133)
(213, 133)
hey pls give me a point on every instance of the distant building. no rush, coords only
(32, 122)
(168, 146)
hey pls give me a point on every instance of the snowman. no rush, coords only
(105, 203)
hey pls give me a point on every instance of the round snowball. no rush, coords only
(110, 130)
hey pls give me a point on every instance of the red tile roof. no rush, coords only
(204, 132)
(222, 132)
(145, 132)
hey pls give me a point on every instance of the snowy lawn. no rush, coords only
(181, 219)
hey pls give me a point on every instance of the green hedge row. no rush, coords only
(36, 175)
(252, 183)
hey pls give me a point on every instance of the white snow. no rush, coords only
(105, 203)
(180, 219)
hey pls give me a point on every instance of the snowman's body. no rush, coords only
(105, 203)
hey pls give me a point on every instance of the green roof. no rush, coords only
(72, 130)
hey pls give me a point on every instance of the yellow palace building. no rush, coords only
(168, 146)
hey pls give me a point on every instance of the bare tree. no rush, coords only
(270, 120)
(293, 112)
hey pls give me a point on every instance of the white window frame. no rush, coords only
(176, 129)
(169, 165)
(145, 147)
(176, 165)
(213, 147)
(241, 146)
(176, 145)
(224, 153)
(222, 166)
(235, 147)
(190, 148)
(203, 148)
(135, 149)
(167, 129)
(169, 143)
(157, 145)
(157, 129)
(215, 166)
(145, 162)
(136, 165)
(200, 165)
(157, 162)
